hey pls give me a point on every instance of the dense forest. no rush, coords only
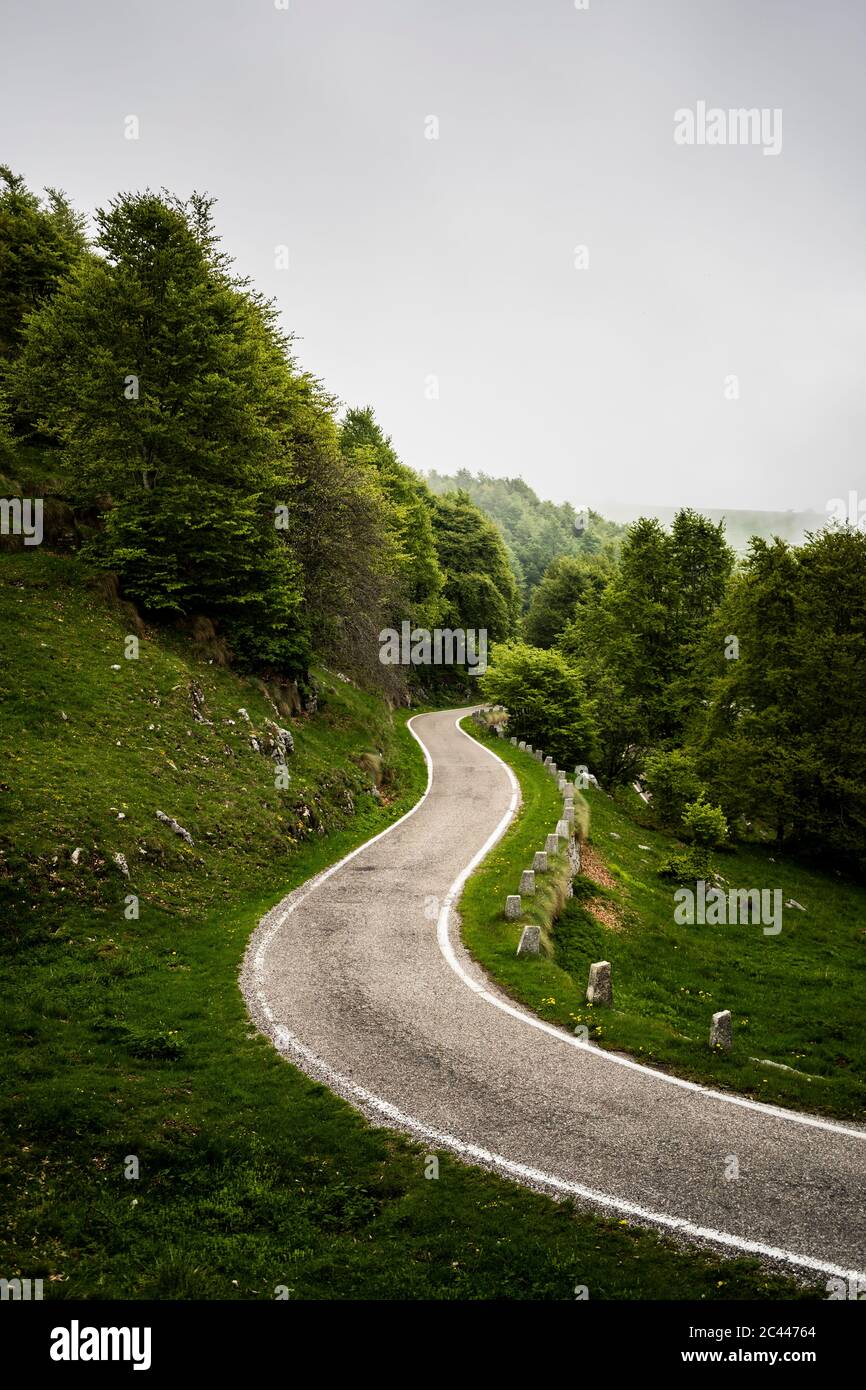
(150, 397)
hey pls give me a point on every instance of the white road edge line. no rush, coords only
(444, 938)
(287, 1043)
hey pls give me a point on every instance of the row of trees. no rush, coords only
(201, 464)
(742, 687)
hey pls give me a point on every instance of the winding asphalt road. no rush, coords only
(360, 979)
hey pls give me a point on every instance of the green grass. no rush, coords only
(796, 998)
(130, 1037)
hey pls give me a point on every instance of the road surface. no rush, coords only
(359, 978)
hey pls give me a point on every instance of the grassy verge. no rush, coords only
(126, 1038)
(796, 998)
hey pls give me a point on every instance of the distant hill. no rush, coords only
(535, 532)
(740, 524)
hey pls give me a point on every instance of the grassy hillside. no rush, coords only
(127, 1038)
(797, 998)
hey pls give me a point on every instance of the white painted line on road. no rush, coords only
(291, 1046)
(444, 939)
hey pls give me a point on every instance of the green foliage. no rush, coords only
(672, 781)
(689, 865)
(536, 533)
(409, 522)
(566, 582)
(545, 699)
(781, 739)
(480, 588)
(169, 388)
(40, 241)
(705, 824)
(635, 640)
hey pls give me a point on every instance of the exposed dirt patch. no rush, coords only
(591, 865)
(606, 912)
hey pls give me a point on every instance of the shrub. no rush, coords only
(672, 781)
(545, 699)
(705, 824)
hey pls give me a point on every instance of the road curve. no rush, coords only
(356, 982)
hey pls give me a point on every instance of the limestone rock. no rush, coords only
(173, 825)
(722, 1031)
(599, 989)
(530, 942)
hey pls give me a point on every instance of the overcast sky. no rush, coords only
(413, 258)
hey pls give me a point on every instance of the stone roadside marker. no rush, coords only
(568, 815)
(563, 829)
(513, 907)
(547, 761)
(599, 989)
(527, 881)
(721, 1030)
(539, 863)
(530, 941)
(551, 844)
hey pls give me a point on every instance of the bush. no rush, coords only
(705, 824)
(672, 781)
(688, 865)
(545, 699)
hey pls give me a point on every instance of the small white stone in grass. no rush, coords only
(721, 1030)
(527, 881)
(792, 902)
(644, 846)
(76, 855)
(530, 941)
(120, 861)
(539, 863)
(614, 836)
(512, 907)
(114, 668)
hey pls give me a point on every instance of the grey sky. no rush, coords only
(454, 257)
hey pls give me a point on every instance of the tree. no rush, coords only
(781, 739)
(40, 241)
(343, 530)
(480, 589)
(566, 582)
(168, 385)
(637, 640)
(535, 532)
(672, 781)
(545, 699)
(409, 519)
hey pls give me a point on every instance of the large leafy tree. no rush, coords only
(781, 738)
(343, 529)
(40, 241)
(546, 701)
(636, 641)
(409, 520)
(568, 580)
(480, 588)
(168, 385)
